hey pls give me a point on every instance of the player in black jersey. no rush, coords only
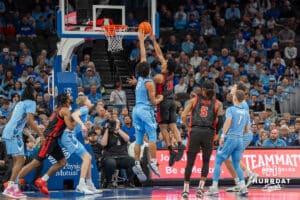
(59, 120)
(205, 118)
(166, 110)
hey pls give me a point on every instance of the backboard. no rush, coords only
(84, 18)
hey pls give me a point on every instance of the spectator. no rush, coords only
(88, 78)
(124, 113)
(26, 29)
(195, 59)
(181, 87)
(274, 140)
(180, 19)
(95, 95)
(273, 11)
(131, 20)
(85, 63)
(96, 147)
(233, 15)
(7, 82)
(286, 35)
(118, 97)
(166, 18)
(5, 57)
(286, 136)
(290, 51)
(115, 154)
(188, 46)
(172, 45)
(208, 30)
(263, 136)
(16, 89)
(259, 21)
(100, 116)
(129, 128)
(193, 23)
(201, 45)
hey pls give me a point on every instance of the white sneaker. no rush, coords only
(82, 188)
(243, 191)
(212, 191)
(251, 179)
(235, 188)
(92, 188)
(154, 168)
(138, 171)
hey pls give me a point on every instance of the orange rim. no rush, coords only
(110, 30)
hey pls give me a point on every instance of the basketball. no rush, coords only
(145, 27)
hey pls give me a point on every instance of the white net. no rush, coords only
(114, 38)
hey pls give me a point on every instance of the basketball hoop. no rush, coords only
(113, 36)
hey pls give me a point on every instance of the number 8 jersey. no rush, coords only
(204, 113)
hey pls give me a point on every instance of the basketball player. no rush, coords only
(12, 136)
(231, 142)
(247, 138)
(73, 145)
(59, 120)
(143, 113)
(166, 110)
(205, 111)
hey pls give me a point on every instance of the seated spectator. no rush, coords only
(193, 23)
(273, 11)
(118, 97)
(274, 140)
(208, 30)
(286, 35)
(100, 116)
(181, 87)
(88, 78)
(115, 154)
(85, 63)
(263, 136)
(172, 45)
(195, 59)
(201, 45)
(10, 30)
(124, 113)
(131, 20)
(233, 15)
(187, 46)
(16, 89)
(286, 136)
(192, 11)
(290, 51)
(129, 128)
(5, 57)
(180, 19)
(97, 148)
(259, 21)
(7, 82)
(166, 18)
(95, 95)
(26, 29)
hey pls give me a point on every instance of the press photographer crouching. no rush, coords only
(115, 154)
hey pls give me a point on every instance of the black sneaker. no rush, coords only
(179, 155)
(172, 158)
(184, 195)
(199, 193)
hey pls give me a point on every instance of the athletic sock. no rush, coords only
(201, 184)
(236, 181)
(186, 187)
(89, 182)
(81, 181)
(137, 162)
(248, 172)
(215, 184)
(11, 183)
(17, 180)
(45, 178)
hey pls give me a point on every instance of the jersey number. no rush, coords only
(203, 111)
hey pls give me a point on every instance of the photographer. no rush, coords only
(115, 154)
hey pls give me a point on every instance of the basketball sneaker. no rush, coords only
(172, 158)
(251, 179)
(138, 171)
(82, 188)
(199, 192)
(243, 191)
(13, 192)
(42, 185)
(92, 188)
(212, 191)
(235, 188)
(184, 195)
(179, 155)
(153, 166)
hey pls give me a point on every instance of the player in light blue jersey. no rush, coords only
(74, 143)
(247, 138)
(231, 142)
(12, 136)
(143, 113)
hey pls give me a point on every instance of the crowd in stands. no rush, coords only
(262, 54)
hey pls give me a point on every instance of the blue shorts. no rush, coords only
(71, 143)
(14, 146)
(247, 139)
(144, 122)
(233, 146)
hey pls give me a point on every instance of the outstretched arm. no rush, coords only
(141, 37)
(159, 54)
